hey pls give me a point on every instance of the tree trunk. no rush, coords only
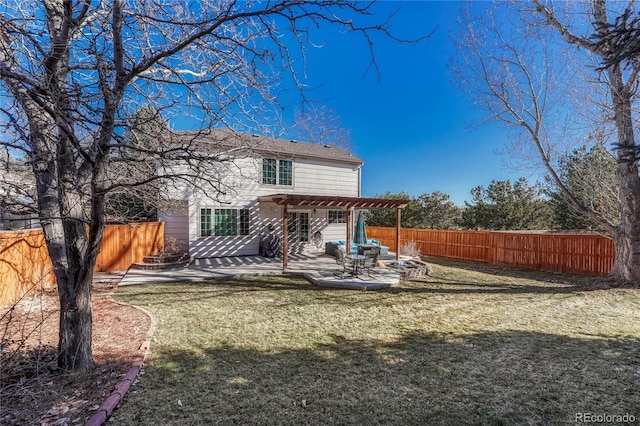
(627, 235)
(75, 353)
(59, 203)
(625, 267)
(74, 346)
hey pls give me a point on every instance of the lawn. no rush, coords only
(472, 344)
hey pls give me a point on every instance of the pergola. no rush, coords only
(327, 202)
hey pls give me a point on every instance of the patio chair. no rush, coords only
(344, 261)
(371, 259)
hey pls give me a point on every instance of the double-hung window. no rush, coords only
(337, 216)
(224, 222)
(277, 172)
(205, 222)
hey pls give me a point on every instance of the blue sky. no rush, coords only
(411, 125)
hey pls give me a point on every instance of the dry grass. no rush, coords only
(472, 344)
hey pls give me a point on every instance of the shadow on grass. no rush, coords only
(171, 293)
(439, 285)
(508, 377)
(585, 282)
(217, 288)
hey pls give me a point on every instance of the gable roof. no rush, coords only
(266, 146)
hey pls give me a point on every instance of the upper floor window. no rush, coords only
(337, 216)
(277, 172)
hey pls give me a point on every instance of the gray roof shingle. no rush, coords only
(265, 146)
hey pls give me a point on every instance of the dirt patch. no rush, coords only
(33, 390)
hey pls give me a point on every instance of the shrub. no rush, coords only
(410, 249)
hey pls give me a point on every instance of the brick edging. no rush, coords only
(116, 396)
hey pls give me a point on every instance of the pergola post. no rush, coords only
(398, 221)
(347, 246)
(285, 237)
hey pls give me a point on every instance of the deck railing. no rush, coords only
(578, 253)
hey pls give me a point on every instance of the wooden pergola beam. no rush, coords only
(327, 202)
(330, 201)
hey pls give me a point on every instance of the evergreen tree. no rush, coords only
(506, 206)
(387, 217)
(591, 175)
(438, 211)
(434, 211)
(136, 196)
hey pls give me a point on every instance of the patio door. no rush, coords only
(298, 229)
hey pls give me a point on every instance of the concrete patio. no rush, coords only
(319, 268)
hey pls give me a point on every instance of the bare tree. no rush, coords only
(320, 124)
(554, 87)
(74, 71)
(592, 176)
(137, 193)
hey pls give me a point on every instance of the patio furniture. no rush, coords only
(269, 246)
(384, 250)
(358, 261)
(331, 247)
(345, 261)
(370, 259)
(364, 248)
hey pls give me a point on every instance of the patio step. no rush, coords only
(163, 261)
(164, 258)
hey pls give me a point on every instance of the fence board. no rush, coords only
(585, 254)
(25, 263)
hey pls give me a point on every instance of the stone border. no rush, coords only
(116, 396)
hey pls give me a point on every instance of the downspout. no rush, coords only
(360, 179)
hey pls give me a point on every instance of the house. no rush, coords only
(17, 205)
(302, 193)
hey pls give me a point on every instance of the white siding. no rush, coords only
(310, 177)
(316, 178)
(176, 222)
(335, 232)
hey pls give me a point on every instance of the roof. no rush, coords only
(333, 201)
(263, 145)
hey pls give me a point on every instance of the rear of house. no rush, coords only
(233, 224)
(17, 205)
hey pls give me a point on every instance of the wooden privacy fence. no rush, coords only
(25, 263)
(124, 245)
(585, 254)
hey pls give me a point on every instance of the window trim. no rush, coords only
(268, 173)
(244, 222)
(208, 217)
(299, 228)
(278, 166)
(338, 219)
(206, 212)
(225, 221)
